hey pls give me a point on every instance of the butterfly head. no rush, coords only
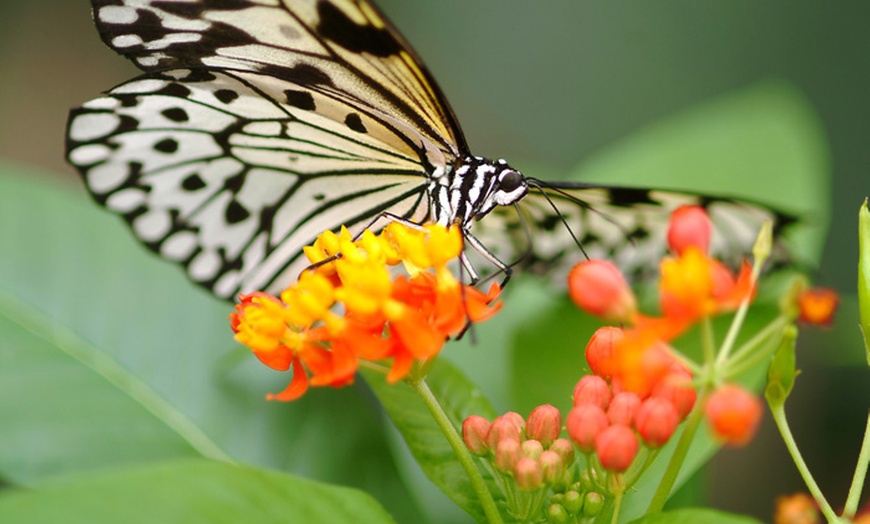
(492, 183)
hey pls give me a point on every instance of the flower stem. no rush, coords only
(860, 475)
(747, 356)
(462, 453)
(778, 413)
(680, 453)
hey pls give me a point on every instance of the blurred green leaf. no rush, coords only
(695, 516)
(109, 356)
(459, 398)
(763, 143)
(189, 491)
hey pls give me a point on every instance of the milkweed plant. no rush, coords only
(356, 311)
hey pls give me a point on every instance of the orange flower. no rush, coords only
(406, 319)
(818, 305)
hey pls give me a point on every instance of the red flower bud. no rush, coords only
(734, 414)
(598, 288)
(599, 350)
(584, 423)
(516, 419)
(544, 424)
(552, 466)
(564, 449)
(656, 420)
(689, 226)
(532, 448)
(474, 431)
(503, 428)
(528, 474)
(594, 390)
(507, 453)
(623, 408)
(616, 447)
(676, 387)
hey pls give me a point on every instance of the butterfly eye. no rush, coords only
(510, 181)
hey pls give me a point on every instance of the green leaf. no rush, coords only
(782, 370)
(459, 398)
(864, 275)
(695, 516)
(763, 143)
(110, 357)
(189, 491)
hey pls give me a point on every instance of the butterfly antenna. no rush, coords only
(534, 182)
(540, 185)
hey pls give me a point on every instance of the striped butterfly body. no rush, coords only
(260, 123)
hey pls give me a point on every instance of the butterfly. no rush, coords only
(258, 124)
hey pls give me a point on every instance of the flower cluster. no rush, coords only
(351, 306)
(638, 359)
(529, 454)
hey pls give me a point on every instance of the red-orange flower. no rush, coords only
(818, 305)
(406, 318)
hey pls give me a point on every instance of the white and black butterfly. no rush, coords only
(260, 123)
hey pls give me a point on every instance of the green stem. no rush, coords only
(680, 452)
(462, 453)
(778, 413)
(860, 475)
(747, 356)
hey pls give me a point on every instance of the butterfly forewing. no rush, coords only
(213, 172)
(345, 49)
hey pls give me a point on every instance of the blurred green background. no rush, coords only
(547, 84)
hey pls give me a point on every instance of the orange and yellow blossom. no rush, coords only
(405, 318)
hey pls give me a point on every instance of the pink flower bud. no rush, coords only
(528, 474)
(544, 424)
(474, 431)
(656, 421)
(507, 453)
(584, 423)
(689, 226)
(564, 449)
(676, 387)
(502, 429)
(532, 448)
(734, 414)
(594, 390)
(598, 288)
(599, 350)
(623, 408)
(616, 447)
(552, 466)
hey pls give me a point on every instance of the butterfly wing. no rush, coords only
(343, 48)
(257, 126)
(627, 226)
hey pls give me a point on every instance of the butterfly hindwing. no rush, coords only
(624, 225)
(213, 171)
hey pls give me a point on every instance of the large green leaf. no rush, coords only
(189, 491)
(110, 357)
(459, 398)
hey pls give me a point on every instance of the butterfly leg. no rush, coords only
(489, 256)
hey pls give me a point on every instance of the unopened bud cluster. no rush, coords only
(532, 456)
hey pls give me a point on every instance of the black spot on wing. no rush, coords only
(174, 89)
(335, 26)
(625, 197)
(176, 114)
(353, 121)
(167, 145)
(320, 197)
(300, 99)
(226, 95)
(236, 213)
(193, 183)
